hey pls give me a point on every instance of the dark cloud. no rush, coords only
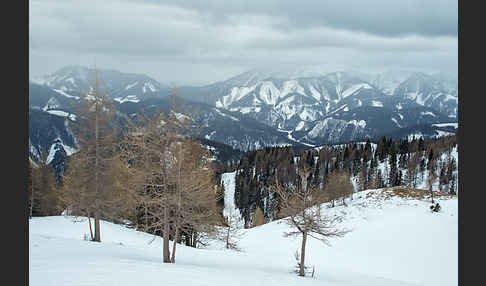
(379, 17)
(203, 41)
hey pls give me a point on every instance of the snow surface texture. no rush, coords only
(394, 241)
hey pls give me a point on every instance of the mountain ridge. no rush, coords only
(270, 109)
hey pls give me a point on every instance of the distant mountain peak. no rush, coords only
(81, 79)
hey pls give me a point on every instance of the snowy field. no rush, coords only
(394, 242)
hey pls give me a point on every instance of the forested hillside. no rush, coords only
(429, 164)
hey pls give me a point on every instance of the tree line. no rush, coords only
(369, 165)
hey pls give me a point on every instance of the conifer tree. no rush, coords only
(431, 174)
(421, 144)
(399, 179)
(379, 180)
(370, 176)
(363, 179)
(393, 174)
(422, 166)
(443, 179)
(45, 191)
(411, 172)
(452, 186)
(451, 168)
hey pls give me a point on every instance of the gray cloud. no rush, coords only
(380, 17)
(204, 41)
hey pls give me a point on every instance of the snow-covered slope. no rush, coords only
(394, 241)
(228, 180)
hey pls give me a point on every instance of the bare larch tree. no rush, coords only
(339, 185)
(300, 207)
(91, 183)
(173, 176)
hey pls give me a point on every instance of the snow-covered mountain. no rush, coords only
(216, 124)
(226, 134)
(122, 87)
(45, 98)
(388, 81)
(434, 91)
(335, 107)
(51, 138)
(296, 106)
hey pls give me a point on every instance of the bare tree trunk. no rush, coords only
(90, 229)
(97, 235)
(97, 218)
(194, 239)
(146, 218)
(189, 239)
(176, 237)
(227, 237)
(176, 225)
(302, 255)
(166, 237)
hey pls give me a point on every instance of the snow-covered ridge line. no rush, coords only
(62, 114)
(65, 94)
(128, 98)
(131, 85)
(225, 115)
(455, 125)
(353, 89)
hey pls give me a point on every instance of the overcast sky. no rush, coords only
(199, 42)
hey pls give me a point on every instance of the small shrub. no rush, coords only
(435, 208)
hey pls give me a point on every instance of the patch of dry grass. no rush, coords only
(411, 193)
